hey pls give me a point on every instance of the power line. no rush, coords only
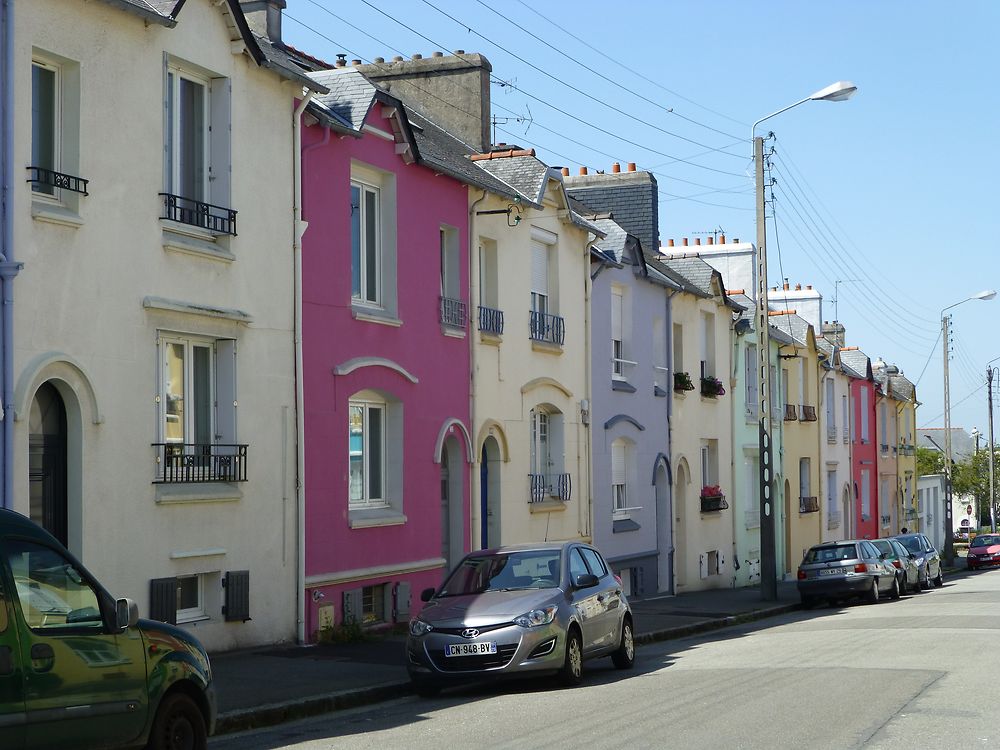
(957, 403)
(933, 349)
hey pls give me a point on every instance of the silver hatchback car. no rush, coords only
(512, 611)
(842, 570)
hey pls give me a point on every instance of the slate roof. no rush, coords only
(525, 174)
(284, 62)
(963, 444)
(794, 325)
(614, 241)
(348, 99)
(902, 388)
(157, 11)
(855, 363)
(696, 271)
(631, 197)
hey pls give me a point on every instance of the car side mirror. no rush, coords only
(126, 614)
(426, 595)
(585, 581)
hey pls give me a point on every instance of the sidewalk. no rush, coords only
(264, 687)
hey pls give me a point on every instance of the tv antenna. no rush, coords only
(714, 232)
(836, 296)
(514, 118)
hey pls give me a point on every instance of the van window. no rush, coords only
(52, 592)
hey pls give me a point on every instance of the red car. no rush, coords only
(984, 550)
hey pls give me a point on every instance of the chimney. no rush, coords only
(616, 168)
(631, 166)
(835, 332)
(722, 239)
(736, 240)
(785, 285)
(356, 63)
(341, 61)
(583, 171)
(685, 241)
(264, 17)
(798, 287)
(697, 240)
(670, 242)
(452, 90)
(565, 171)
(711, 240)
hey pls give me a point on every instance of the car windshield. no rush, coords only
(826, 554)
(912, 543)
(985, 540)
(504, 571)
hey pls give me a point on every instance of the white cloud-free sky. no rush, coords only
(893, 192)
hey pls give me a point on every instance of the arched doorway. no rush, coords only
(47, 462)
(788, 527)
(452, 538)
(664, 532)
(680, 536)
(489, 494)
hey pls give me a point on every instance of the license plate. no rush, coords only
(831, 571)
(470, 649)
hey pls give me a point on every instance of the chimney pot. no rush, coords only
(398, 58)
(697, 240)
(711, 240)
(785, 286)
(460, 52)
(418, 56)
(379, 60)
(809, 287)
(565, 171)
(736, 240)
(631, 166)
(341, 61)
(583, 170)
(356, 63)
(437, 54)
(798, 287)
(722, 239)
(670, 242)
(684, 241)
(616, 167)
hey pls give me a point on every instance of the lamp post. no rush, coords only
(836, 92)
(989, 402)
(949, 532)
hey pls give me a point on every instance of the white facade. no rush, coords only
(835, 452)
(156, 331)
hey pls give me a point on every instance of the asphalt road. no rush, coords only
(921, 672)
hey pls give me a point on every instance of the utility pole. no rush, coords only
(989, 399)
(949, 532)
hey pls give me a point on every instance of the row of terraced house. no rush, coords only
(302, 336)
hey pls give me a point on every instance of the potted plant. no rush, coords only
(712, 387)
(682, 382)
(712, 498)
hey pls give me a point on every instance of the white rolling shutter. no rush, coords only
(539, 268)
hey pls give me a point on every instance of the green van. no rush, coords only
(78, 669)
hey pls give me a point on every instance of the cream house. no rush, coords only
(154, 422)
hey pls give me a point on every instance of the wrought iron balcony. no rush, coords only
(907, 450)
(491, 321)
(548, 328)
(453, 312)
(544, 486)
(791, 413)
(808, 413)
(184, 463)
(809, 504)
(198, 214)
(50, 178)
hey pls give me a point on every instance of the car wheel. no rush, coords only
(894, 593)
(572, 668)
(926, 583)
(179, 725)
(939, 581)
(624, 657)
(872, 595)
(902, 584)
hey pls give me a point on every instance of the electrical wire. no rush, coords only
(933, 349)
(927, 424)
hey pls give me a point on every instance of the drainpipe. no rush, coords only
(587, 530)
(475, 502)
(734, 360)
(298, 228)
(669, 333)
(8, 268)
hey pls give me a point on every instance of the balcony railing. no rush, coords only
(907, 450)
(53, 179)
(491, 321)
(833, 520)
(198, 214)
(752, 518)
(548, 328)
(791, 413)
(184, 463)
(453, 312)
(808, 413)
(544, 486)
(809, 504)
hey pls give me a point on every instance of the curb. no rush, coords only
(273, 714)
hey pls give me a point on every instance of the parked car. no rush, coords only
(907, 570)
(836, 571)
(984, 551)
(927, 557)
(520, 610)
(79, 669)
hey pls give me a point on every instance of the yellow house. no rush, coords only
(804, 507)
(902, 401)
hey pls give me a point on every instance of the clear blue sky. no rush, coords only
(893, 190)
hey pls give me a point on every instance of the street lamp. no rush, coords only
(835, 92)
(949, 532)
(989, 402)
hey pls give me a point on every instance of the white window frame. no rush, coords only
(619, 479)
(176, 74)
(618, 360)
(708, 363)
(884, 431)
(191, 614)
(189, 383)
(367, 406)
(831, 407)
(363, 271)
(541, 278)
(46, 192)
(865, 395)
(805, 477)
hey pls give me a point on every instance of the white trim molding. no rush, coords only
(377, 571)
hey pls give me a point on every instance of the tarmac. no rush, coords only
(264, 687)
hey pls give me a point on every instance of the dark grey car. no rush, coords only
(846, 569)
(928, 559)
(527, 609)
(904, 561)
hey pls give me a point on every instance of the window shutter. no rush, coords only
(618, 462)
(616, 315)
(225, 391)
(237, 585)
(352, 606)
(163, 600)
(539, 268)
(750, 372)
(402, 601)
(830, 404)
(219, 157)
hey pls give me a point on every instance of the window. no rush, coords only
(785, 396)
(831, 409)
(453, 312)
(865, 394)
(805, 477)
(190, 601)
(618, 361)
(831, 491)
(776, 403)
(577, 566)
(751, 407)
(54, 595)
(546, 448)
(594, 562)
(660, 371)
(866, 495)
(539, 278)
(45, 122)
(907, 437)
(373, 604)
(751, 483)
(707, 345)
(678, 345)
(55, 136)
(365, 244)
(187, 137)
(367, 454)
(709, 463)
(845, 416)
(619, 478)
(884, 426)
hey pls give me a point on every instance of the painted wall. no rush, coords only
(419, 367)
(81, 323)
(864, 452)
(699, 420)
(632, 410)
(835, 452)
(889, 495)
(906, 462)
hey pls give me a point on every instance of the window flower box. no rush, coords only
(712, 499)
(682, 382)
(712, 387)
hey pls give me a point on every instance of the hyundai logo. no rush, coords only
(470, 633)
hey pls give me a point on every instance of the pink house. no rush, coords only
(864, 448)
(386, 377)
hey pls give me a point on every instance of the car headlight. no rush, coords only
(919, 561)
(537, 617)
(418, 627)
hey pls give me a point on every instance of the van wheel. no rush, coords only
(572, 669)
(179, 725)
(624, 657)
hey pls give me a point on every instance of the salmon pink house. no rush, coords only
(864, 451)
(385, 363)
